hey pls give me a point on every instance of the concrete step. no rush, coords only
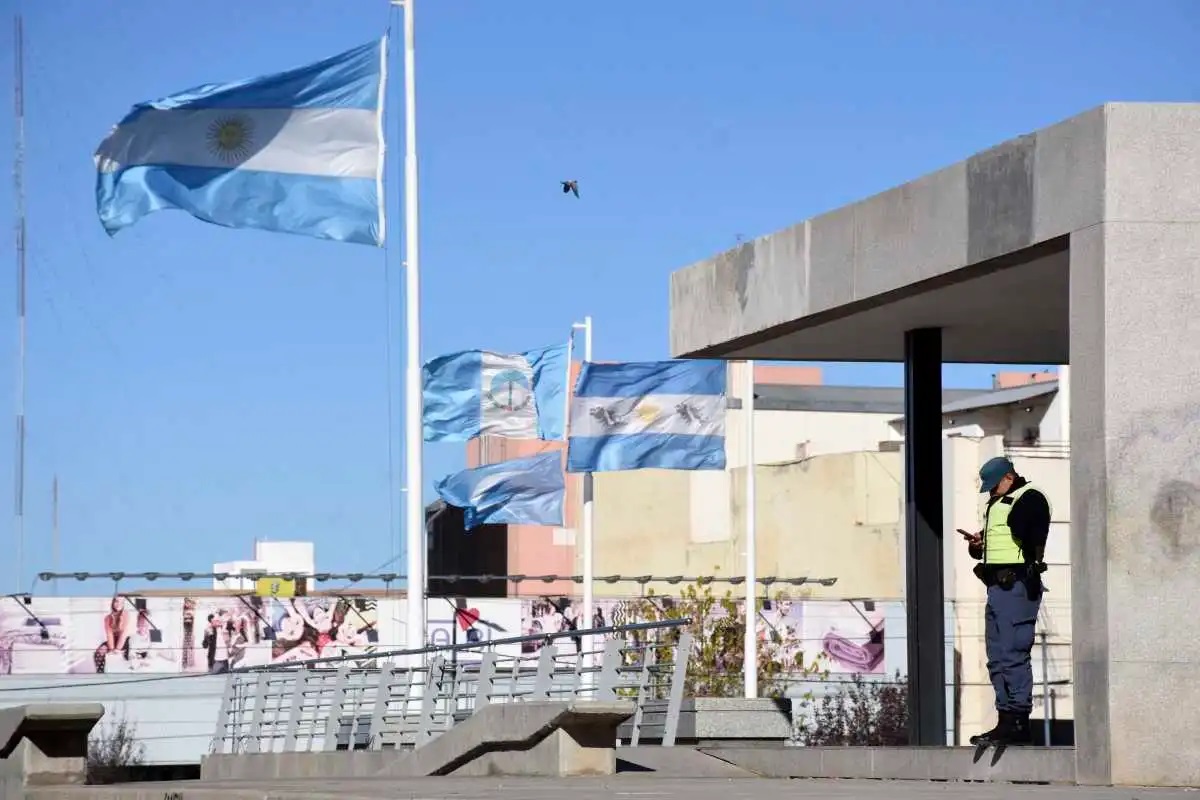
(543, 738)
(1012, 764)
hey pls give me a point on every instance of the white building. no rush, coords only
(277, 558)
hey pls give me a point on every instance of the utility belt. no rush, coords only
(1006, 575)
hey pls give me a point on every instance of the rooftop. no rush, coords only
(882, 399)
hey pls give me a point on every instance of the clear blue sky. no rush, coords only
(195, 387)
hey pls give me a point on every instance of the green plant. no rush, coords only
(114, 752)
(861, 712)
(718, 630)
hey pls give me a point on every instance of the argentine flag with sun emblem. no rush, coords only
(295, 152)
(480, 393)
(648, 415)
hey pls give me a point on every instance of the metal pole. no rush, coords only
(589, 521)
(1045, 690)
(55, 541)
(750, 662)
(923, 537)
(414, 518)
(19, 188)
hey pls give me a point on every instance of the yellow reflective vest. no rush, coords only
(999, 545)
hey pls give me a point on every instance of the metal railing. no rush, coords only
(341, 704)
(1039, 449)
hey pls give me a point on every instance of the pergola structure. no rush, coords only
(1078, 244)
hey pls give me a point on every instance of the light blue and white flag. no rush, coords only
(295, 152)
(523, 491)
(643, 415)
(481, 393)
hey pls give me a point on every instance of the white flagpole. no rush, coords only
(414, 517)
(568, 388)
(589, 520)
(750, 664)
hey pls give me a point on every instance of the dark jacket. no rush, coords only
(1029, 520)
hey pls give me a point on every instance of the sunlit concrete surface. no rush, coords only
(621, 786)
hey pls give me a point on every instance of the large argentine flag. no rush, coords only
(657, 414)
(295, 152)
(481, 393)
(523, 491)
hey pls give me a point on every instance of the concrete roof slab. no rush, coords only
(846, 284)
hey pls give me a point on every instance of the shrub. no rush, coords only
(860, 713)
(718, 638)
(114, 753)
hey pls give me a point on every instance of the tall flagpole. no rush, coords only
(414, 517)
(19, 193)
(750, 662)
(589, 521)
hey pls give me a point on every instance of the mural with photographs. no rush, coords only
(127, 634)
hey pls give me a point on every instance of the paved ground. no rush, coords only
(633, 787)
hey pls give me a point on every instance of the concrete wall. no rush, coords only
(1135, 350)
(173, 717)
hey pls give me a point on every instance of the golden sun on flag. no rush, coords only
(230, 138)
(647, 412)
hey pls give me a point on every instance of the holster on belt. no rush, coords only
(1007, 576)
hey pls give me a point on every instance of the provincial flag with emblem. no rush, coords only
(482, 393)
(294, 152)
(648, 415)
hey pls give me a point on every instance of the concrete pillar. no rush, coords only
(923, 536)
(1135, 474)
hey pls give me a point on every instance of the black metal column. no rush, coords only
(923, 536)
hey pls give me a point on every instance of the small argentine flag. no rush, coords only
(523, 491)
(480, 393)
(648, 415)
(295, 152)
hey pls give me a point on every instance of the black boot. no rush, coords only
(996, 733)
(1019, 731)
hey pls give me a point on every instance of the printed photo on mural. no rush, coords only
(322, 627)
(849, 635)
(122, 634)
(781, 623)
(547, 615)
(221, 633)
(33, 635)
(460, 620)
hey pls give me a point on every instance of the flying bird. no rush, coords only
(570, 187)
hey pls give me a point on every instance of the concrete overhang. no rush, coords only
(979, 249)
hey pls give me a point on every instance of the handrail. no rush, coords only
(468, 646)
(297, 708)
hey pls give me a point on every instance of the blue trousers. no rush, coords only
(1010, 618)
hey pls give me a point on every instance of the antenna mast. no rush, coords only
(19, 185)
(54, 528)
